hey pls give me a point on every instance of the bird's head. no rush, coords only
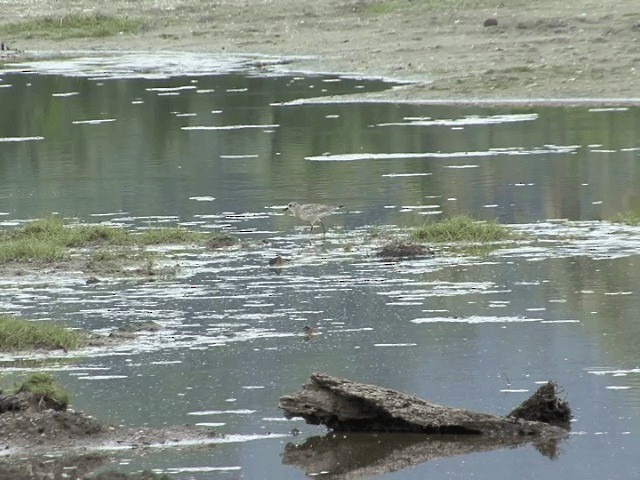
(291, 207)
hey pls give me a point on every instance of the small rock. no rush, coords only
(491, 22)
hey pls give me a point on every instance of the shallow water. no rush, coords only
(226, 151)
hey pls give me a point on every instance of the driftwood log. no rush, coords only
(424, 431)
(344, 405)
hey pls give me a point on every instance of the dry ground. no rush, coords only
(543, 49)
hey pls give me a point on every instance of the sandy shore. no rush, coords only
(543, 50)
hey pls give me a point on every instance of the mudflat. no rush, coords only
(459, 50)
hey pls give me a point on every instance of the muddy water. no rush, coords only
(227, 152)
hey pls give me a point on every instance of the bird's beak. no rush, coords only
(285, 208)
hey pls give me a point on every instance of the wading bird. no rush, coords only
(311, 212)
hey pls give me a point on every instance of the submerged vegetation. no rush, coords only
(112, 249)
(73, 26)
(462, 228)
(19, 334)
(398, 248)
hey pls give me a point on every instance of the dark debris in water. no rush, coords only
(308, 333)
(278, 261)
(403, 249)
(276, 264)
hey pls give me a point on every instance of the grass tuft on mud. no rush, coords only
(462, 228)
(160, 236)
(19, 334)
(26, 250)
(629, 217)
(73, 26)
(50, 239)
(47, 393)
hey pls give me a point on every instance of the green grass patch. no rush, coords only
(50, 239)
(54, 231)
(19, 334)
(73, 26)
(46, 391)
(25, 250)
(462, 228)
(630, 217)
(88, 235)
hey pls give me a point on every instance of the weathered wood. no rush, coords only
(544, 406)
(344, 405)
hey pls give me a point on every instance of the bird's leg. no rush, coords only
(324, 232)
(311, 231)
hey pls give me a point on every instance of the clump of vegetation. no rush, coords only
(50, 239)
(462, 228)
(26, 250)
(219, 240)
(403, 249)
(19, 334)
(629, 217)
(46, 392)
(73, 26)
(53, 231)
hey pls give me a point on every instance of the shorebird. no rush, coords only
(311, 212)
(309, 332)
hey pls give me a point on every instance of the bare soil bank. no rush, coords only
(40, 443)
(543, 50)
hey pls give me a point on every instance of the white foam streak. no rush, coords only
(475, 319)
(351, 157)
(229, 127)
(171, 89)
(223, 412)
(93, 122)
(20, 139)
(470, 120)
